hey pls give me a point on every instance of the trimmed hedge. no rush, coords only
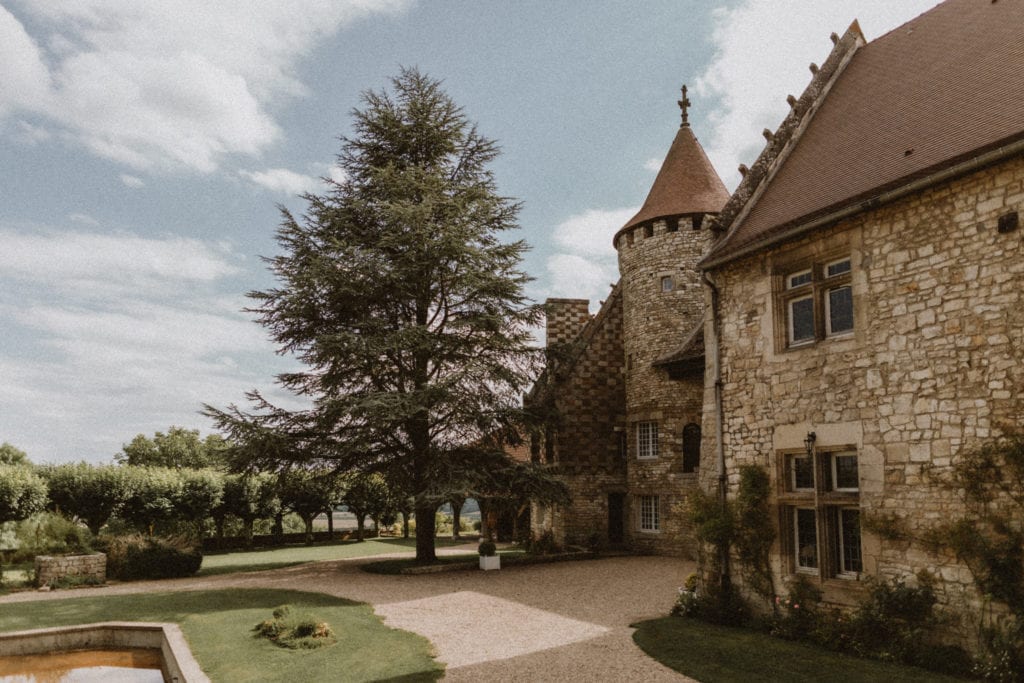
(136, 557)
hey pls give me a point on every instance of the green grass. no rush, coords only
(275, 558)
(218, 625)
(714, 654)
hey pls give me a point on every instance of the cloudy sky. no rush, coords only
(146, 146)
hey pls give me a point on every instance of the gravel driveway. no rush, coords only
(567, 621)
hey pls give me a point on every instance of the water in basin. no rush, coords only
(130, 665)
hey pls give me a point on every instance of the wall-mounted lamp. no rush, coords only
(809, 443)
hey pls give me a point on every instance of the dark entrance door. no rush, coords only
(616, 505)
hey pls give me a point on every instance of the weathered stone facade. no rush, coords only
(51, 569)
(657, 314)
(934, 364)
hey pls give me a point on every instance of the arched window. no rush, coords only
(691, 447)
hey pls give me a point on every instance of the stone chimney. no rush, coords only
(565, 319)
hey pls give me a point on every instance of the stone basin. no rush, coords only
(176, 663)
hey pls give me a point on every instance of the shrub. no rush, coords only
(136, 557)
(796, 616)
(487, 549)
(49, 533)
(295, 630)
(544, 544)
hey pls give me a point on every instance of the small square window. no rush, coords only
(844, 472)
(647, 440)
(650, 515)
(801, 473)
(839, 310)
(648, 230)
(837, 268)
(666, 283)
(798, 279)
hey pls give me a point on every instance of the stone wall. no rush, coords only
(586, 389)
(655, 322)
(51, 569)
(935, 363)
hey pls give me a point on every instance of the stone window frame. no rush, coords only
(667, 284)
(805, 276)
(649, 514)
(830, 504)
(647, 440)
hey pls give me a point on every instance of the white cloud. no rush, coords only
(106, 336)
(83, 218)
(132, 181)
(654, 164)
(166, 85)
(762, 52)
(586, 263)
(283, 181)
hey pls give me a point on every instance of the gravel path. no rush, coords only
(566, 621)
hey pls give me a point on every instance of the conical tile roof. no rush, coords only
(686, 184)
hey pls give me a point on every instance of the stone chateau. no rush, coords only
(850, 318)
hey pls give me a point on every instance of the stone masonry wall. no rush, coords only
(587, 389)
(935, 363)
(655, 322)
(50, 569)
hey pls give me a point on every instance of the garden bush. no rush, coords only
(49, 533)
(136, 557)
(295, 630)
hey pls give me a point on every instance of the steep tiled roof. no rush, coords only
(934, 93)
(686, 184)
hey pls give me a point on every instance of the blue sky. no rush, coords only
(145, 148)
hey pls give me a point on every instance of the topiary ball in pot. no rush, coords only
(487, 549)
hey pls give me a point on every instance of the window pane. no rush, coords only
(845, 467)
(649, 513)
(840, 310)
(666, 283)
(802, 472)
(838, 268)
(806, 539)
(801, 319)
(797, 279)
(647, 440)
(849, 534)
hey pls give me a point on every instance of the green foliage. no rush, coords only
(487, 549)
(544, 544)
(199, 493)
(49, 533)
(1002, 659)
(309, 493)
(92, 493)
(179, 447)
(249, 497)
(398, 293)
(137, 557)
(754, 530)
(12, 455)
(295, 630)
(796, 616)
(153, 494)
(22, 492)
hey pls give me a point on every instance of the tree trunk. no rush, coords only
(308, 519)
(330, 524)
(485, 527)
(425, 530)
(457, 504)
(360, 523)
(278, 530)
(247, 531)
(405, 524)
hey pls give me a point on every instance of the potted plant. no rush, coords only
(489, 557)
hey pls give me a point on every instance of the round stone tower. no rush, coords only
(663, 312)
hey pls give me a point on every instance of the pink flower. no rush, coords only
(796, 606)
(777, 599)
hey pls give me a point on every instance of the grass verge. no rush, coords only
(275, 558)
(719, 654)
(218, 626)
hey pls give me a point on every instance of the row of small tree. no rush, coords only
(150, 498)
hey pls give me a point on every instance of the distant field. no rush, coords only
(346, 520)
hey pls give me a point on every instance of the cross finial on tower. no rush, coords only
(684, 104)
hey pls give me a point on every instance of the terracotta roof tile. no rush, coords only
(940, 89)
(686, 184)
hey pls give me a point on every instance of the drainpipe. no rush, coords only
(716, 364)
(715, 353)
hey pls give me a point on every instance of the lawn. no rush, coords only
(218, 625)
(275, 558)
(717, 654)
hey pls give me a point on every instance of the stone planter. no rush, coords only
(489, 562)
